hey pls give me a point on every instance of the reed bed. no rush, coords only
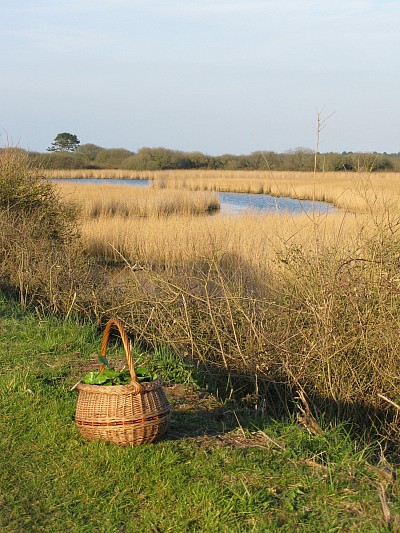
(356, 191)
(97, 173)
(359, 192)
(108, 201)
(260, 241)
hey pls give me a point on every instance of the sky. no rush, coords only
(215, 76)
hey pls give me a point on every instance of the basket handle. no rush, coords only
(106, 335)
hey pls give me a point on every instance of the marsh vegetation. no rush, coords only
(275, 303)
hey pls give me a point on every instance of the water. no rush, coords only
(105, 181)
(234, 202)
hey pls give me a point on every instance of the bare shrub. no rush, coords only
(40, 254)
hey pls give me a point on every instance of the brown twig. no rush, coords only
(385, 505)
(389, 401)
(305, 416)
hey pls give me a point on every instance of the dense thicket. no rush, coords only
(302, 159)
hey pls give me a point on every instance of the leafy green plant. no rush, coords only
(109, 376)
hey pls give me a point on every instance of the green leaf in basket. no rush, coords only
(124, 377)
(89, 378)
(103, 361)
(94, 378)
(100, 379)
(110, 373)
(109, 376)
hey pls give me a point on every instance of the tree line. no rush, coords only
(91, 156)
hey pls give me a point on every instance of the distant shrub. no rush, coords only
(25, 194)
(65, 160)
(112, 158)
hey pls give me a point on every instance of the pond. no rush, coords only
(234, 202)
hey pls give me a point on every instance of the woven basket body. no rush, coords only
(122, 414)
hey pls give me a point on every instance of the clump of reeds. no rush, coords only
(123, 201)
(97, 173)
(169, 243)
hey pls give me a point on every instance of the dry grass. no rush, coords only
(355, 191)
(108, 201)
(119, 220)
(258, 240)
(359, 192)
(87, 173)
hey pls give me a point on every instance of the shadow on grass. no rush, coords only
(230, 404)
(197, 413)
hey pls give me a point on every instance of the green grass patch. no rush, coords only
(218, 468)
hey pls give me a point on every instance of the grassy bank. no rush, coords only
(220, 467)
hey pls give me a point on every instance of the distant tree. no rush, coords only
(64, 142)
(265, 160)
(162, 159)
(112, 157)
(334, 162)
(140, 161)
(299, 159)
(89, 150)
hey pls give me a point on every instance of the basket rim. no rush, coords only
(130, 388)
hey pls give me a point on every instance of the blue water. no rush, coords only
(235, 202)
(106, 181)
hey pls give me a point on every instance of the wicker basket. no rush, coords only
(131, 414)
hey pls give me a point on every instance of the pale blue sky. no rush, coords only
(218, 76)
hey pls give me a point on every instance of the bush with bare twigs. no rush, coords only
(40, 254)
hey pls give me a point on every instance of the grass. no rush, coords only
(219, 468)
(103, 202)
(350, 191)
(354, 191)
